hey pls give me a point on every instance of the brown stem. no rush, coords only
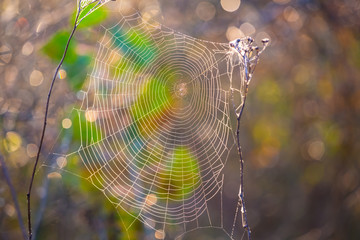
(241, 191)
(28, 195)
(13, 195)
(248, 70)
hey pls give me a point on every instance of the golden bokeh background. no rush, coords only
(300, 130)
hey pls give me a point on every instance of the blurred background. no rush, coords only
(300, 130)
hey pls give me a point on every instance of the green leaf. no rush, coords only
(54, 49)
(150, 109)
(181, 176)
(94, 18)
(77, 72)
(140, 46)
(152, 100)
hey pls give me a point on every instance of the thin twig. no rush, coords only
(241, 190)
(241, 200)
(28, 195)
(13, 195)
(76, 23)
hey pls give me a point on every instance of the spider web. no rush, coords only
(158, 131)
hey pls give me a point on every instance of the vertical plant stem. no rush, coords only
(241, 190)
(28, 195)
(13, 195)
(248, 70)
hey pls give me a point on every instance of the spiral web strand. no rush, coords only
(158, 136)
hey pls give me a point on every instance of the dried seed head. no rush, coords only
(265, 41)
